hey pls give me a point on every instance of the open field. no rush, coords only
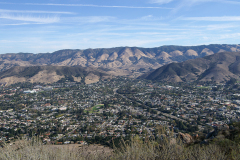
(94, 108)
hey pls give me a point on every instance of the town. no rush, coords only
(70, 112)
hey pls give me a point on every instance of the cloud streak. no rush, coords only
(17, 24)
(40, 12)
(30, 18)
(220, 19)
(189, 3)
(229, 2)
(86, 5)
(88, 19)
(160, 1)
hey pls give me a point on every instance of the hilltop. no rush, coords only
(220, 67)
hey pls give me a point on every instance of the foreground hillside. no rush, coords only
(128, 58)
(222, 145)
(51, 74)
(220, 67)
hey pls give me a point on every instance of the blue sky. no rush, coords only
(50, 25)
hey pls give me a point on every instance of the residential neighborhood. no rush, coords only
(70, 112)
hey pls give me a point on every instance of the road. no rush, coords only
(165, 114)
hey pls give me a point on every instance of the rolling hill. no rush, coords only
(130, 59)
(50, 74)
(219, 67)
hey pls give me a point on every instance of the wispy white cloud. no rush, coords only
(150, 18)
(88, 19)
(216, 27)
(163, 28)
(223, 18)
(230, 2)
(84, 30)
(26, 11)
(10, 41)
(193, 2)
(221, 27)
(160, 1)
(92, 5)
(228, 36)
(147, 17)
(189, 3)
(17, 24)
(30, 18)
(198, 1)
(86, 5)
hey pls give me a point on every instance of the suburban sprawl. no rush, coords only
(70, 112)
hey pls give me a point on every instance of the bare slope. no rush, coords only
(50, 74)
(131, 59)
(219, 67)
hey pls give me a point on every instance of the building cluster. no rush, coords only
(74, 113)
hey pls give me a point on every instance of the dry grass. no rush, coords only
(35, 150)
(135, 149)
(166, 151)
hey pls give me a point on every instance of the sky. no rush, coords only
(51, 25)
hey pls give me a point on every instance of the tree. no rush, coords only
(106, 105)
(232, 81)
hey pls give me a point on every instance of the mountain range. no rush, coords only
(133, 59)
(120, 61)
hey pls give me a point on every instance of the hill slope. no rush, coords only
(50, 74)
(128, 58)
(219, 67)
